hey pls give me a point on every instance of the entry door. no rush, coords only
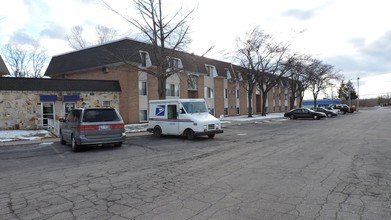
(47, 111)
(172, 124)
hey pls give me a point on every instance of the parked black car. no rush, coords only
(304, 113)
(327, 112)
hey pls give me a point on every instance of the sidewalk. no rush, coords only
(21, 137)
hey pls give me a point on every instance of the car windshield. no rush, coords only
(195, 107)
(98, 115)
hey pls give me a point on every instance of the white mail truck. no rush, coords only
(188, 117)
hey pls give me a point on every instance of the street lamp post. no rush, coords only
(358, 93)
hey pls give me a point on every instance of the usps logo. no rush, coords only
(160, 110)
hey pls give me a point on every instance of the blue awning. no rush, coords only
(44, 98)
(71, 97)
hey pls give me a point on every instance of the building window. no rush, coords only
(143, 115)
(237, 93)
(211, 71)
(172, 90)
(225, 111)
(237, 110)
(142, 88)
(212, 111)
(145, 60)
(226, 93)
(228, 73)
(106, 103)
(68, 107)
(208, 92)
(192, 82)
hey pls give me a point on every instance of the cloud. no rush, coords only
(22, 37)
(54, 31)
(380, 48)
(299, 14)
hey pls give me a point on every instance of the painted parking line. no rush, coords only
(58, 152)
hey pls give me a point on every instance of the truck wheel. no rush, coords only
(211, 135)
(190, 134)
(157, 131)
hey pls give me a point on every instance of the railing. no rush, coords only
(51, 125)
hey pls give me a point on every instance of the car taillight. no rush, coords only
(88, 127)
(117, 126)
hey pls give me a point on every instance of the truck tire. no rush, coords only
(190, 134)
(157, 131)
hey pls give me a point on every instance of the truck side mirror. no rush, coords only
(182, 111)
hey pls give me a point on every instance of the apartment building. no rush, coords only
(218, 82)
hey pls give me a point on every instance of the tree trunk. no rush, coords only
(264, 99)
(162, 88)
(250, 105)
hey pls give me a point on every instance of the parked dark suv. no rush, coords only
(92, 126)
(342, 107)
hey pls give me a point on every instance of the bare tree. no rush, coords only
(322, 74)
(267, 60)
(76, 39)
(25, 62)
(38, 60)
(105, 34)
(247, 53)
(299, 78)
(166, 33)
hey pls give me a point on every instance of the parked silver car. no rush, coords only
(92, 126)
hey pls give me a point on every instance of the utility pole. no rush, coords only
(358, 93)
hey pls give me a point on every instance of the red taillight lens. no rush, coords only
(117, 126)
(88, 127)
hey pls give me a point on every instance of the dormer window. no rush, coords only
(228, 73)
(211, 71)
(175, 62)
(239, 76)
(145, 59)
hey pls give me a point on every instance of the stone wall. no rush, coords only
(23, 109)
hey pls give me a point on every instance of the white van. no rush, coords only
(189, 117)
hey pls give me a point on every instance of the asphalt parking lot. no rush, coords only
(333, 168)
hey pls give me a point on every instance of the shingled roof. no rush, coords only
(125, 49)
(3, 67)
(43, 84)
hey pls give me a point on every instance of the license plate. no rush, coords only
(104, 127)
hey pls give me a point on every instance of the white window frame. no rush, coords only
(141, 113)
(145, 59)
(141, 89)
(211, 70)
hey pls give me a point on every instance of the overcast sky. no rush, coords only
(352, 35)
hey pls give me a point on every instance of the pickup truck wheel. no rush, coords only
(75, 146)
(190, 134)
(157, 131)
